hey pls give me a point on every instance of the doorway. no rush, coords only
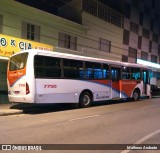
(115, 76)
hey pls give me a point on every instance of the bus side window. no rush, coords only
(93, 70)
(106, 72)
(52, 67)
(98, 73)
(72, 68)
(125, 73)
(39, 66)
(135, 73)
(47, 67)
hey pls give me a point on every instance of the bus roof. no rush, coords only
(80, 57)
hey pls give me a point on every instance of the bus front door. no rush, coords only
(116, 76)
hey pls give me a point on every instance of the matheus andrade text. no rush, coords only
(142, 147)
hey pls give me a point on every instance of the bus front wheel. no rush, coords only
(85, 99)
(135, 96)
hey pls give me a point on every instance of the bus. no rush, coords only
(38, 76)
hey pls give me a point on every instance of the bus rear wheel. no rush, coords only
(135, 96)
(85, 99)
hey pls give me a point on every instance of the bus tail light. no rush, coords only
(27, 88)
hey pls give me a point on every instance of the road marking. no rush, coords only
(143, 140)
(81, 118)
(149, 106)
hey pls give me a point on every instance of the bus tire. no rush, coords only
(85, 99)
(136, 95)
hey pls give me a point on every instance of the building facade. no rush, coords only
(141, 37)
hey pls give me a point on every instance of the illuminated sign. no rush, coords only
(10, 45)
(150, 64)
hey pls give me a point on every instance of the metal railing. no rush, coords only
(103, 12)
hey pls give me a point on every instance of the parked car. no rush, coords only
(155, 90)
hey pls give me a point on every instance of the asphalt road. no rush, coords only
(120, 123)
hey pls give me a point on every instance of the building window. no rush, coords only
(150, 46)
(146, 10)
(151, 25)
(145, 33)
(124, 58)
(144, 56)
(127, 10)
(132, 52)
(155, 37)
(126, 37)
(104, 45)
(1, 23)
(154, 58)
(141, 18)
(139, 42)
(158, 50)
(30, 31)
(134, 27)
(153, 4)
(135, 3)
(67, 41)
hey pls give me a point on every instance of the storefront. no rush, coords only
(10, 45)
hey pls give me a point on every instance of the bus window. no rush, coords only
(135, 73)
(39, 70)
(125, 73)
(93, 70)
(52, 67)
(18, 62)
(73, 68)
(47, 67)
(106, 73)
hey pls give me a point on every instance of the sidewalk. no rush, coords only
(28, 108)
(9, 109)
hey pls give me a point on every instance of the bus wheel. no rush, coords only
(85, 99)
(135, 95)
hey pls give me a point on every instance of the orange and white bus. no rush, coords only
(37, 76)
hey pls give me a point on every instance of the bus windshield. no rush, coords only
(18, 62)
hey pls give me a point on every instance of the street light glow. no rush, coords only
(150, 64)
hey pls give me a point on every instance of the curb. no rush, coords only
(6, 112)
